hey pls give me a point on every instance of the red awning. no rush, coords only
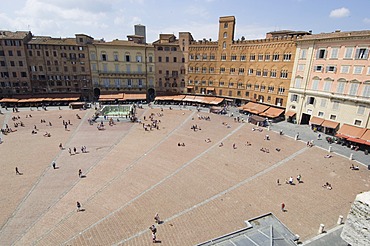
(316, 121)
(352, 131)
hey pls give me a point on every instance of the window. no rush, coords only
(294, 98)
(366, 91)
(225, 34)
(297, 82)
(12, 63)
(212, 57)
(368, 71)
(204, 70)
(265, 73)
(204, 57)
(232, 70)
(159, 58)
(222, 83)
(281, 90)
(197, 57)
(116, 68)
(353, 89)
(223, 57)
(250, 71)
(357, 69)
(10, 52)
(258, 72)
(226, 25)
(275, 57)
(284, 74)
(256, 87)
(150, 58)
(222, 70)
(191, 57)
(362, 53)
(357, 122)
(334, 53)
(344, 69)
(211, 69)
(241, 70)
(104, 57)
(233, 57)
(303, 54)
(300, 67)
(242, 57)
(224, 45)
(361, 109)
(167, 59)
(311, 100)
(127, 58)
(327, 86)
(335, 105)
(270, 89)
(260, 57)
(93, 67)
(105, 67)
(333, 117)
(252, 57)
(93, 56)
(315, 84)
(273, 73)
(320, 114)
(128, 68)
(115, 57)
(340, 87)
(19, 53)
(348, 53)
(267, 57)
(331, 69)
(323, 102)
(138, 58)
(321, 54)
(287, 56)
(318, 68)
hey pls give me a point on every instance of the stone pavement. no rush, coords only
(201, 191)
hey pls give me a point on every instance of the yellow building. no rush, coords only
(242, 70)
(122, 66)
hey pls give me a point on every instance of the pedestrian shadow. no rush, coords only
(81, 210)
(157, 241)
(83, 176)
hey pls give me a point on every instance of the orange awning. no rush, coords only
(352, 131)
(216, 101)
(9, 100)
(366, 136)
(178, 97)
(134, 97)
(272, 112)
(249, 105)
(259, 108)
(210, 88)
(330, 124)
(316, 121)
(356, 140)
(190, 87)
(290, 113)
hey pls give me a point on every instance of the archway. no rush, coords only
(151, 95)
(96, 94)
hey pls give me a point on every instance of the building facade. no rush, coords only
(170, 64)
(59, 65)
(14, 75)
(122, 66)
(243, 70)
(331, 79)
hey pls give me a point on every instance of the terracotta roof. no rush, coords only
(13, 35)
(52, 41)
(337, 34)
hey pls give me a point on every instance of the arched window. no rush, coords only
(224, 45)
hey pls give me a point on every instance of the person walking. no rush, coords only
(17, 171)
(78, 206)
(54, 165)
(80, 173)
(283, 207)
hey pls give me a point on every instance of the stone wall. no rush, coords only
(356, 230)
